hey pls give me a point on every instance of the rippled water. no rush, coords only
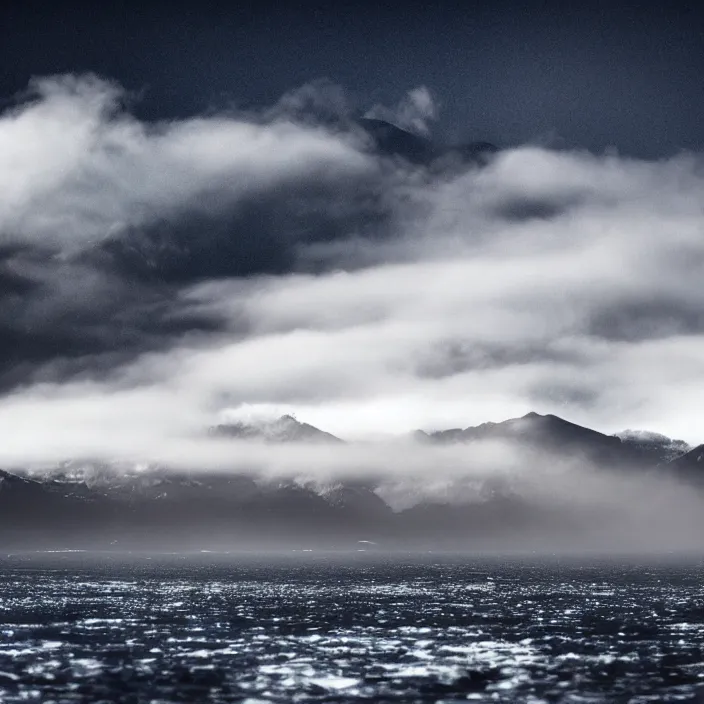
(315, 628)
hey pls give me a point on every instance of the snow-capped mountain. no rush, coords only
(663, 448)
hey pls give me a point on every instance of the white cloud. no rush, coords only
(552, 281)
(76, 168)
(413, 113)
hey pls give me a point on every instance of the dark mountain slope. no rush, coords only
(53, 512)
(690, 466)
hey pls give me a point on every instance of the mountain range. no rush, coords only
(91, 505)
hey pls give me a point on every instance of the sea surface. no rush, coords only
(364, 627)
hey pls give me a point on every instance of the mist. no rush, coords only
(459, 496)
(157, 277)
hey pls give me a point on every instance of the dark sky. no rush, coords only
(597, 74)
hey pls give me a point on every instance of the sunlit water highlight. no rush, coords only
(314, 628)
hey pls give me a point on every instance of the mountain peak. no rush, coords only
(534, 417)
(546, 433)
(533, 421)
(286, 428)
(391, 140)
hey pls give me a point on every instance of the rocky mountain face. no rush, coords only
(104, 505)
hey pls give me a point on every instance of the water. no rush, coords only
(311, 628)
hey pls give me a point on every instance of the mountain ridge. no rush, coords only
(101, 505)
(553, 431)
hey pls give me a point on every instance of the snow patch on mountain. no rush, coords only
(667, 448)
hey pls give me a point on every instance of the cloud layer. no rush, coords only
(155, 275)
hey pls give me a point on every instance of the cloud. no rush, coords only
(77, 168)
(104, 217)
(155, 275)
